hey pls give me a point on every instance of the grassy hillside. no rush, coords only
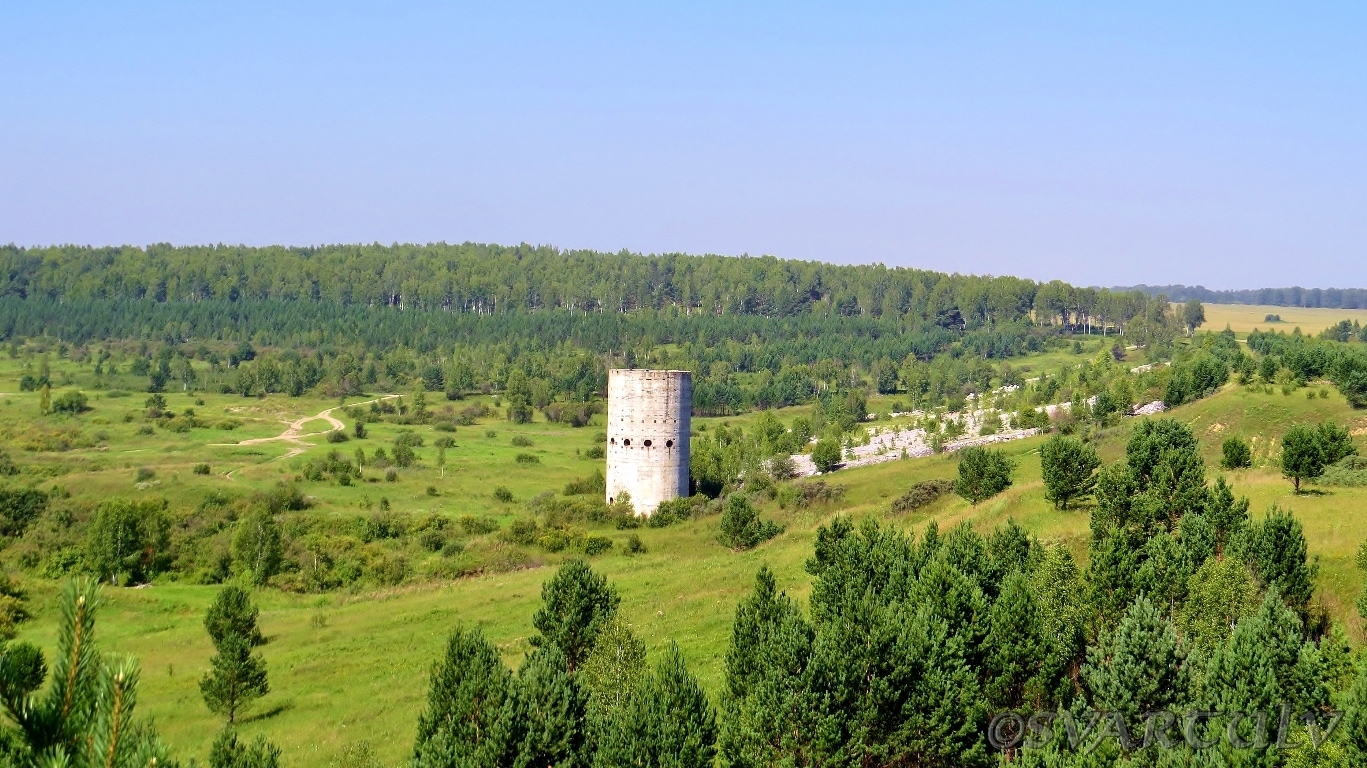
(350, 667)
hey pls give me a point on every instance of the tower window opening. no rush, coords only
(627, 442)
(647, 443)
(669, 443)
(612, 441)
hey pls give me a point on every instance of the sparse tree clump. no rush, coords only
(983, 473)
(1069, 469)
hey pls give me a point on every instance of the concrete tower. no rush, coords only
(649, 419)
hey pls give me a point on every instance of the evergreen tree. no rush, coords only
(1303, 457)
(1018, 651)
(1277, 552)
(1069, 469)
(983, 473)
(233, 613)
(464, 705)
(235, 679)
(85, 718)
(668, 722)
(544, 718)
(575, 605)
(1136, 667)
(1235, 454)
(228, 752)
(741, 526)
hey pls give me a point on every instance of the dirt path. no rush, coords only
(294, 433)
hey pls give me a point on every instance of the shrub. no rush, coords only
(359, 430)
(403, 455)
(522, 441)
(634, 545)
(144, 474)
(501, 493)
(475, 526)
(1347, 472)
(741, 527)
(146, 429)
(595, 452)
(432, 490)
(528, 458)
(489, 433)
(594, 483)
(228, 425)
(391, 474)
(826, 455)
(921, 494)
(444, 426)
(1236, 454)
(445, 441)
(337, 436)
(596, 545)
(409, 439)
(72, 401)
(983, 473)
(201, 469)
(522, 531)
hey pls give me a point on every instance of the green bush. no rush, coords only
(596, 545)
(337, 436)
(921, 494)
(826, 455)
(528, 458)
(522, 441)
(501, 493)
(71, 401)
(201, 469)
(1236, 454)
(741, 527)
(634, 545)
(475, 526)
(595, 452)
(983, 473)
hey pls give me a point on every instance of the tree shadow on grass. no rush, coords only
(266, 714)
(1314, 492)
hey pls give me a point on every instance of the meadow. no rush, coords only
(1242, 318)
(351, 666)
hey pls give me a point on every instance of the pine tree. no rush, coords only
(1137, 667)
(1276, 550)
(575, 604)
(1017, 650)
(1069, 469)
(228, 752)
(86, 716)
(233, 613)
(544, 720)
(464, 703)
(983, 473)
(668, 722)
(235, 679)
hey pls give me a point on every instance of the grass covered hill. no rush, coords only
(350, 666)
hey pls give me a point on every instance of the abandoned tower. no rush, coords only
(649, 419)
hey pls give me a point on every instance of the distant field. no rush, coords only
(1242, 318)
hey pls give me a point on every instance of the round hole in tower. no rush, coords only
(627, 442)
(669, 443)
(612, 441)
(647, 443)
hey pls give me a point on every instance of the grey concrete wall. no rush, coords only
(649, 419)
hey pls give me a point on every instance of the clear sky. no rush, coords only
(1214, 143)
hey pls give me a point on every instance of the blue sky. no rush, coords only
(1214, 143)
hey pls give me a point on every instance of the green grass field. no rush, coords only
(347, 667)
